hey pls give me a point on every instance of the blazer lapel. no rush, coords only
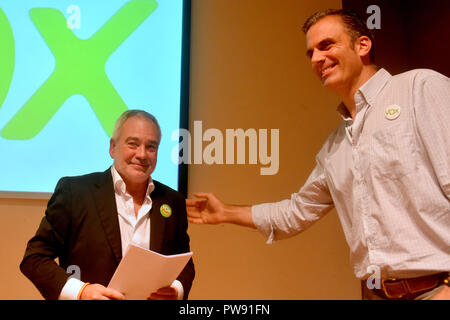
(157, 222)
(105, 200)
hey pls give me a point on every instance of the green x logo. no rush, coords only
(80, 69)
(6, 56)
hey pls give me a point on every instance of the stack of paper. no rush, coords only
(142, 272)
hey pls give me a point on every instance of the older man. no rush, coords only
(386, 168)
(91, 219)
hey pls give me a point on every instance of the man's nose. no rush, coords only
(140, 152)
(316, 56)
(317, 61)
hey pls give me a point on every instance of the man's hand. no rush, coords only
(443, 294)
(98, 292)
(208, 210)
(166, 293)
(211, 210)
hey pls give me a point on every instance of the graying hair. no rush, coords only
(134, 113)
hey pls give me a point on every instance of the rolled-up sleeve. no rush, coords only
(289, 217)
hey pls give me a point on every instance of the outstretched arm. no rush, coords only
(210, 210)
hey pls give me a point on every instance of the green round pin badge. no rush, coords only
(166, 210)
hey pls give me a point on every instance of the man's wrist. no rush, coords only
(240, 215)
(80, 293)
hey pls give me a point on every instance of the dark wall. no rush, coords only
(413, 34)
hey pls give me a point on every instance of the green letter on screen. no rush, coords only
(80, 69)
(6, 56)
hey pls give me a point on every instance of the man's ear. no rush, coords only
(364, 44)
(112, 146)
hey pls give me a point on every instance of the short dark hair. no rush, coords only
(354, 24)
(134, 113)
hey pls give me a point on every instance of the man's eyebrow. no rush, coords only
(136, 139)
(325, 42)
(152, 142)
(322, 44)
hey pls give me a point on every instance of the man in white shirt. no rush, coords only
(386, 168)
(90, 220)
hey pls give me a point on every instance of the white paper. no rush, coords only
(143, 271)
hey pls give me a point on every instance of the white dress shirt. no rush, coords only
(388, 175)
(133, 229)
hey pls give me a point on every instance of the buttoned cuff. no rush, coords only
(71, 289)
(179, 286)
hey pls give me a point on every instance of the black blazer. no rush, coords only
(81, 228)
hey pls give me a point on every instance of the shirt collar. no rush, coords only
(370, 90)
(342, 110)
(120, 187)
(367, 93)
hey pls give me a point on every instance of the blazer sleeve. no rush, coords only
(186, 276)
(38, 263)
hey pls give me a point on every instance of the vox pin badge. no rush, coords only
(165, 210)
(392, 112)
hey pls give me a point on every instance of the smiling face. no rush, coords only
(135, 150)
(335, 59)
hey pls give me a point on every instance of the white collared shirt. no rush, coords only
(133, 229)
(388, 175)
